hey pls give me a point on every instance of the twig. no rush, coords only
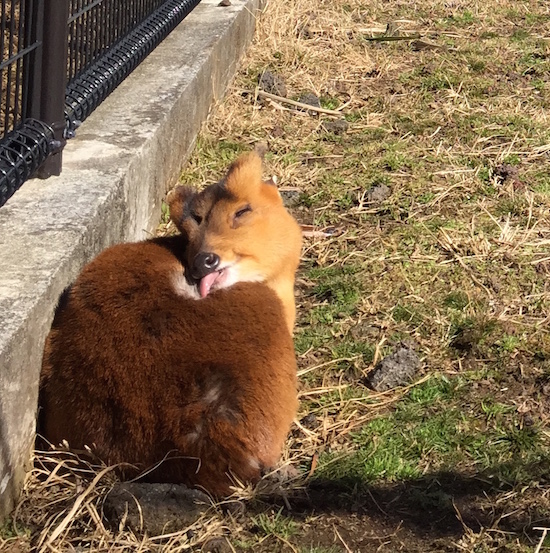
(285, 541)
(542, 538)
(284, 100)
(385, 38)
(230, 545)
(342, 540)
(326, 364)
(314, 463)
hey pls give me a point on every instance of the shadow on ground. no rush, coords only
(438, 508)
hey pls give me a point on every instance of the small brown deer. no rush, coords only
(175, 355)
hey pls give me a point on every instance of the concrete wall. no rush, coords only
(115, 174)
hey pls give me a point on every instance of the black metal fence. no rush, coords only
(60, 60)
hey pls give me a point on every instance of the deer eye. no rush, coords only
(242, 211)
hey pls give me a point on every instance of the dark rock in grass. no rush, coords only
(216, 545)
(338, 126)
(506, 172)
(225, 3)
(277, 131)
(309, 421)
(466, 339)
(155, 508)
(378, 193)
(394, 370)
(291, 196)
(310, 99)
(272, 83)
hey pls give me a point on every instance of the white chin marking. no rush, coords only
(234, 275)
(183, 288)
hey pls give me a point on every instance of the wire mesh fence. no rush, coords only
(96, 25)
(60, 60)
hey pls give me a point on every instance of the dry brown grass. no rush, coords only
(62, 510)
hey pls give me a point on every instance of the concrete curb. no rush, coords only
(115, 174)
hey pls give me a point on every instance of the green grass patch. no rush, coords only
(275, 524)
(431, 428)
(10, 530)
(337, 292)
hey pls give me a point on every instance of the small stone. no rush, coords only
(272, 83)
(506, 172)
(378, 193)
(309, 421)
(216, 545)
(338, 126)
(225, 3)
(291, 196)
(310, 99)
(395, 370)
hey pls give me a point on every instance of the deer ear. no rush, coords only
(178, 202)
(244, 174)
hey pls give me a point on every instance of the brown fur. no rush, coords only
(140, 370)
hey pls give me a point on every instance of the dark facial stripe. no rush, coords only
(216, 193)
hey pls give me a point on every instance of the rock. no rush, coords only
(309, 421)
(394, 370)
(378, 193)
(162, 507)
(310, 99)
(272, 83)
(506, 172)
(277, 131)
(291, 196)
(225, 3)
(337, 126)
(216, 545)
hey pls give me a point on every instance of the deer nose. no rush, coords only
(205, 263)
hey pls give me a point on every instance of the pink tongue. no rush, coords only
(207, 282)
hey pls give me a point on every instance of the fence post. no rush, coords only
(54, 79)
(34, 34)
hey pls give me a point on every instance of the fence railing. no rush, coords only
(60, 60)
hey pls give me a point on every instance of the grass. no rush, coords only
(427, 429)
(275, 524)
(453, 262)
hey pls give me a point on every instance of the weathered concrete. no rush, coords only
(115, 174)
